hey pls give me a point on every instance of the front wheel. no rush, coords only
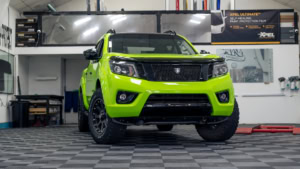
(222, 131)
(103, 129)
(83, 125)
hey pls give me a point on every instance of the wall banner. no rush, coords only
(245, 27)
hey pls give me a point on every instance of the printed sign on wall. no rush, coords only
(5, 36)
(245, 27)
(249, 65)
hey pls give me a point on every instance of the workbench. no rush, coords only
(43, 104)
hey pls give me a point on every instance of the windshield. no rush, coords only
(216, 18)
(149, 43)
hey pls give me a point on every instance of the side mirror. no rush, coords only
(91, 54)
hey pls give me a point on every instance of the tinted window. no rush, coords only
(145, 43)
(216, 18)
(99, 48)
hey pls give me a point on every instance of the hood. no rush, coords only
(166, 56)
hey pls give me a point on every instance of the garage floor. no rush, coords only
(145, 147)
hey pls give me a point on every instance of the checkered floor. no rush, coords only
(145, 147)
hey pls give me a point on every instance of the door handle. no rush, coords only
(91, 73)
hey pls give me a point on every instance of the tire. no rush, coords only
(222, 131)
(83, 124)
(103, 129)
(168, 127)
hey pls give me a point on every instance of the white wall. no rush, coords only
(24, 74)
(5, 10)
(134, 5)
(258, 4)
(280, 109)
(115, 5)
(74, 68)
(45, 66)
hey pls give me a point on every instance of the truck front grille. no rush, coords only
(169, 72)
(174, 72)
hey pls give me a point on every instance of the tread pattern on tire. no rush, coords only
(223, 131)
(83, 125)
(113, 133)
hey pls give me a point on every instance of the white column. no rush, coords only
(167, 3)
(232, 4)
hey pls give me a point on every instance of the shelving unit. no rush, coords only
(26, 32)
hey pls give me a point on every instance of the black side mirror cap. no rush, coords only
(91, 54)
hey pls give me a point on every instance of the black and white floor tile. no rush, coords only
(143, 148)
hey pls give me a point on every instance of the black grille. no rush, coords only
(177, 98)
(165, 105)
(174, 72)
(169, 72)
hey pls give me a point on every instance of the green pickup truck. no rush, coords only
(154, 79)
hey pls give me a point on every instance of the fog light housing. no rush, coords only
(223, 97)
(125, 97)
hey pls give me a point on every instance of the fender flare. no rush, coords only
(83, 91)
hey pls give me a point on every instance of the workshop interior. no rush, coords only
(209, 84)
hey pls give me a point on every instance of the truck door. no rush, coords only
(91, 74)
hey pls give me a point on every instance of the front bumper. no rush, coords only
(145, 88)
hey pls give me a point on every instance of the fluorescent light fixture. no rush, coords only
(195, 22)
(90, 31)
(200, 16)
(114, 17)
(81, 21)
(119, 20)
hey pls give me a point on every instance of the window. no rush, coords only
(195, 27)
(149, 43)
(87, 29)
(6, 73)
(216, 18)
(100, 47)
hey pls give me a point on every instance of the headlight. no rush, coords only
(220, 69)
(123, 68)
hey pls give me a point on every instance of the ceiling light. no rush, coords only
(114, 17)
(81, 21)
(194, 21)
(119, 20)
(200, 16)
(90, 31)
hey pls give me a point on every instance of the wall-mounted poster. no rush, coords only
(249, 65)
(245, 27)
(6, 73)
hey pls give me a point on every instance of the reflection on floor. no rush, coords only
(145, 147)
